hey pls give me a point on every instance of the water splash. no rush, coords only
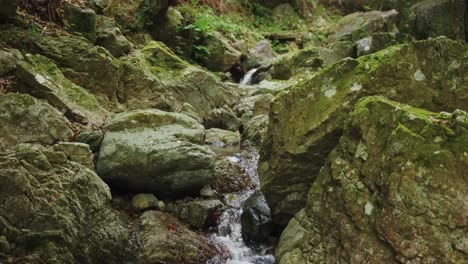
(228, 235)
(247, 79)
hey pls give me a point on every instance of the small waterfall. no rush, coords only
(229, 231)
(247, 79)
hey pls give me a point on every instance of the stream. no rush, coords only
(228, 234)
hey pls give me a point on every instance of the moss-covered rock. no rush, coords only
(393, 190)
(155, 152)
(81, 62)
(80, 20)
(362, 24)
(155, 77)
(220, 55)
(113, 40)
(307, 120)
(135, 14)
(41, 78)
(55, 211)
(164, 239)
(27, 120)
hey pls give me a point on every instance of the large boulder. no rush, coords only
(362, 24)
(80, 61)
(40, 77)
(439, 18)
(156, 152)
(257, 225)
(220, 55)
(24, 119)
(113, 40)
(155, 77)
(164, 239)
(307, 120)
(135, 14)
(393, 191)
(55, 211)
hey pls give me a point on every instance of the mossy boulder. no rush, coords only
(135, 14)
(155, 152)
(114, 41)
(307, 120)
(155, 77)
(392, 191)
(41, 78)
(27, 120)
(164, 239)
(55, 211)
(362, 24)
(81, 62)
(80, 20)
(220, 55)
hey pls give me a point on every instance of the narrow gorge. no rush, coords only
(233, 131)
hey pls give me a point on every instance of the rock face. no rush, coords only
(256, 219)
(54, 210)
(392, 191)
(358, 25)
(164, 239)
(41, 78)
(24, 119)
(429, 74)
(156, 152)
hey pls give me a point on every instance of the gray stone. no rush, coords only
(24, 119)
(113, 40)
(156, 152)
(81, 20)
(164, 239)
(77, 152)
(256, 221)
(144, 201)
(223, 119)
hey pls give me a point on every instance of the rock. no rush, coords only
(345, 49)
(156, 152)
(255, 129)
(202, 213)
(164, 239)
(223, 119)
(91, 138)
(418, 73)
(9, 60)
(379, 41)
(77, 152)
(189, 110)
(113, 40)
(80, 61)
(41, 78)
(155, 77)
(285, 15)
(439, 18)
(252, 106)
(207, 192)
(169, 27)
(81, 20)
(231, 176)
(134, 14)
(405, 181)
(27, 120)
(256, 221)
(359, 25)
(144, 201)
(8, 8)
(220, 55)
(261, 55)
(221, 138)
(67, 206)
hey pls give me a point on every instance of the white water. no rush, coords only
(229, 232)
(247, 79)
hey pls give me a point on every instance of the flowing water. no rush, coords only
(247, 79)
(228, 235)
